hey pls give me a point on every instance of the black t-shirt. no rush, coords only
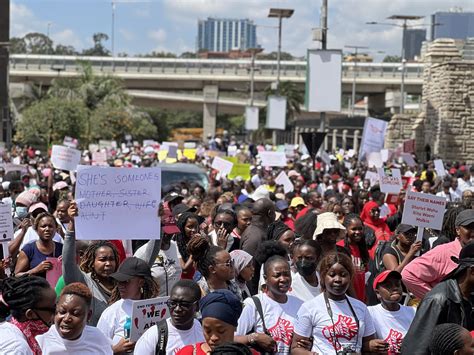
(469, 314)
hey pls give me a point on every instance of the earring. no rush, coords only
(141, 290)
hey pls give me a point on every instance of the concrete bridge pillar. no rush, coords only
(334, 140)
(355, 144)
(344, 139)
(326, 139)
(211, 93)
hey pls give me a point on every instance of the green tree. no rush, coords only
(274, 55)
(38, 43)
(17, 45)
(161, 54)
(65, 50)
(392, 59)
(47, 122)
(98, 49)
(188, 55)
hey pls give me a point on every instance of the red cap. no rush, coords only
(168, 222)
(383, 276)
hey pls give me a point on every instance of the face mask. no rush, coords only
(305, 268)
(21, 212)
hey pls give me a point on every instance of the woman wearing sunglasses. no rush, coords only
(215, 265)
(171, 335)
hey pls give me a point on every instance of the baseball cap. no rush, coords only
(281, 205)
(404, 228)
(297, 201)
(37, 205)
(384, 275)
(131, 267)
(464, 218)
(181, 208)
(172, 196)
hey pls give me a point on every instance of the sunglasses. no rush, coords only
(182, 304)
(228, 263)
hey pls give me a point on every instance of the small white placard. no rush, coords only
(222, 165)
(147, 313)
(390, 180)
(65, 158)
(283, 179)
(273, 159)
(424, 210)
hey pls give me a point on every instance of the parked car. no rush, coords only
(174, 174)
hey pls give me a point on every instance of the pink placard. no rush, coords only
(55, 273)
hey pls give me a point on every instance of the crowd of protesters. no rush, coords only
(249, 267)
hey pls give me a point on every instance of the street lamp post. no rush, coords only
(404, 27)
(324, 43)
(113, 28)
(280, 14)
(355, 72)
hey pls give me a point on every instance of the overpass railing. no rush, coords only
(179, 66)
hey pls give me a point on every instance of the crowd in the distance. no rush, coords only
(327, 268)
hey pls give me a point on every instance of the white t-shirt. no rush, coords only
(177, 339)
(342, 331)
(279, 319)
(12, 340)
(302, 289)
(91, 342)
(166, 260)
(113, 319)
(392, 326)
(31, 236)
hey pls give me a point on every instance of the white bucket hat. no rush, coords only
(327, 220)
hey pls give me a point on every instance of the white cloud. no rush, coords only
(126, 34)
(158, 35)
(23, 21)
(67, 37)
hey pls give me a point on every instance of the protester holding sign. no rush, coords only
(70, 333)
(171, 335)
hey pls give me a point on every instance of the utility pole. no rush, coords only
(324, 42)
(354, 74)
(5, 120)
(113, 28)
(402, 85)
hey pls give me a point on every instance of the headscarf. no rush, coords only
(222, 305)
(181, 239)
(276, 229)
(241, 259)
(376, 225)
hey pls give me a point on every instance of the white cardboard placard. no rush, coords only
(374, 159)
(373, 177)
(273, 159)
(408, 158)
(390, 180)
(116, 203)
(99, 158)
(276, 112)
(439, 167)
(424, 210)
(222, 165)
(65, 158)
(6, 222)
(147, 313)
(251, 118)
(283, 179)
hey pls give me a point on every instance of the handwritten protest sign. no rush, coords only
(99, 158)
(242, 170)
(70, 142)
(439, 167)
(173, 151)
(390, 180)
(222, 165)
(117, 203)
(424, 210)
(53, 275)
(65, 158)
(6, 222)
(283, 179)
(273, 159)
(146, 313)
(190, 153)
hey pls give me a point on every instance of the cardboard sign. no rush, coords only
(242, 170)
(273, 159)
(390, 180)
(251, 118)
(93, 147)
(65, 158)
(53, 275)
(6, 222)
(149, 143)
(109, 145)
(424, 210)
(190, 153)
(231, 150)
(116, 203)
(407, 157)
(373, 136)
(173, 151)
(439, 166)
(283, 179)
(372, 177)
(99, 158)
(222, 165)
(374, 159)
(147, 313)
(70, 142)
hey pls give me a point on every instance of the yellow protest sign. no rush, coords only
(190, 153)
(233, 160)
(242, 170)
(162, 154)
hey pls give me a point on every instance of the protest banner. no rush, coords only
(374, 159)
(439, 167)
(283, 179)
(289, 150)
(372, 177)
(231, 150)
(70, 142)
(162, 155)
(222, 165)
(242, 170)
(109, 145)
(390, 180)
(147, 313)
(233, 160)
(65, 158)
(172, 151)
(273, 159)
(99, 158)
(408, 158)
(53, 274)
(424, 210)
(373, 136)
(190, 153)
(6, 222)
(117, 203)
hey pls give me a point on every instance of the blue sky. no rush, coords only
(142, 26)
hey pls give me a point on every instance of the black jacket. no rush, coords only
(443, 304)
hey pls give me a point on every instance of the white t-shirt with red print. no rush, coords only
(279, 319)
(341, 332)
(392, 326)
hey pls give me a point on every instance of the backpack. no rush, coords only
(162, 328)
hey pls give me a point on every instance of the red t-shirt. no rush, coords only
(358, 282)
(189, 350)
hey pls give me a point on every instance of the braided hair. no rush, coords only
(364, 252)
(231, 349)
(203, 253)
(449, 225)
(446, 339)
(88, 258)
(18, 294)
